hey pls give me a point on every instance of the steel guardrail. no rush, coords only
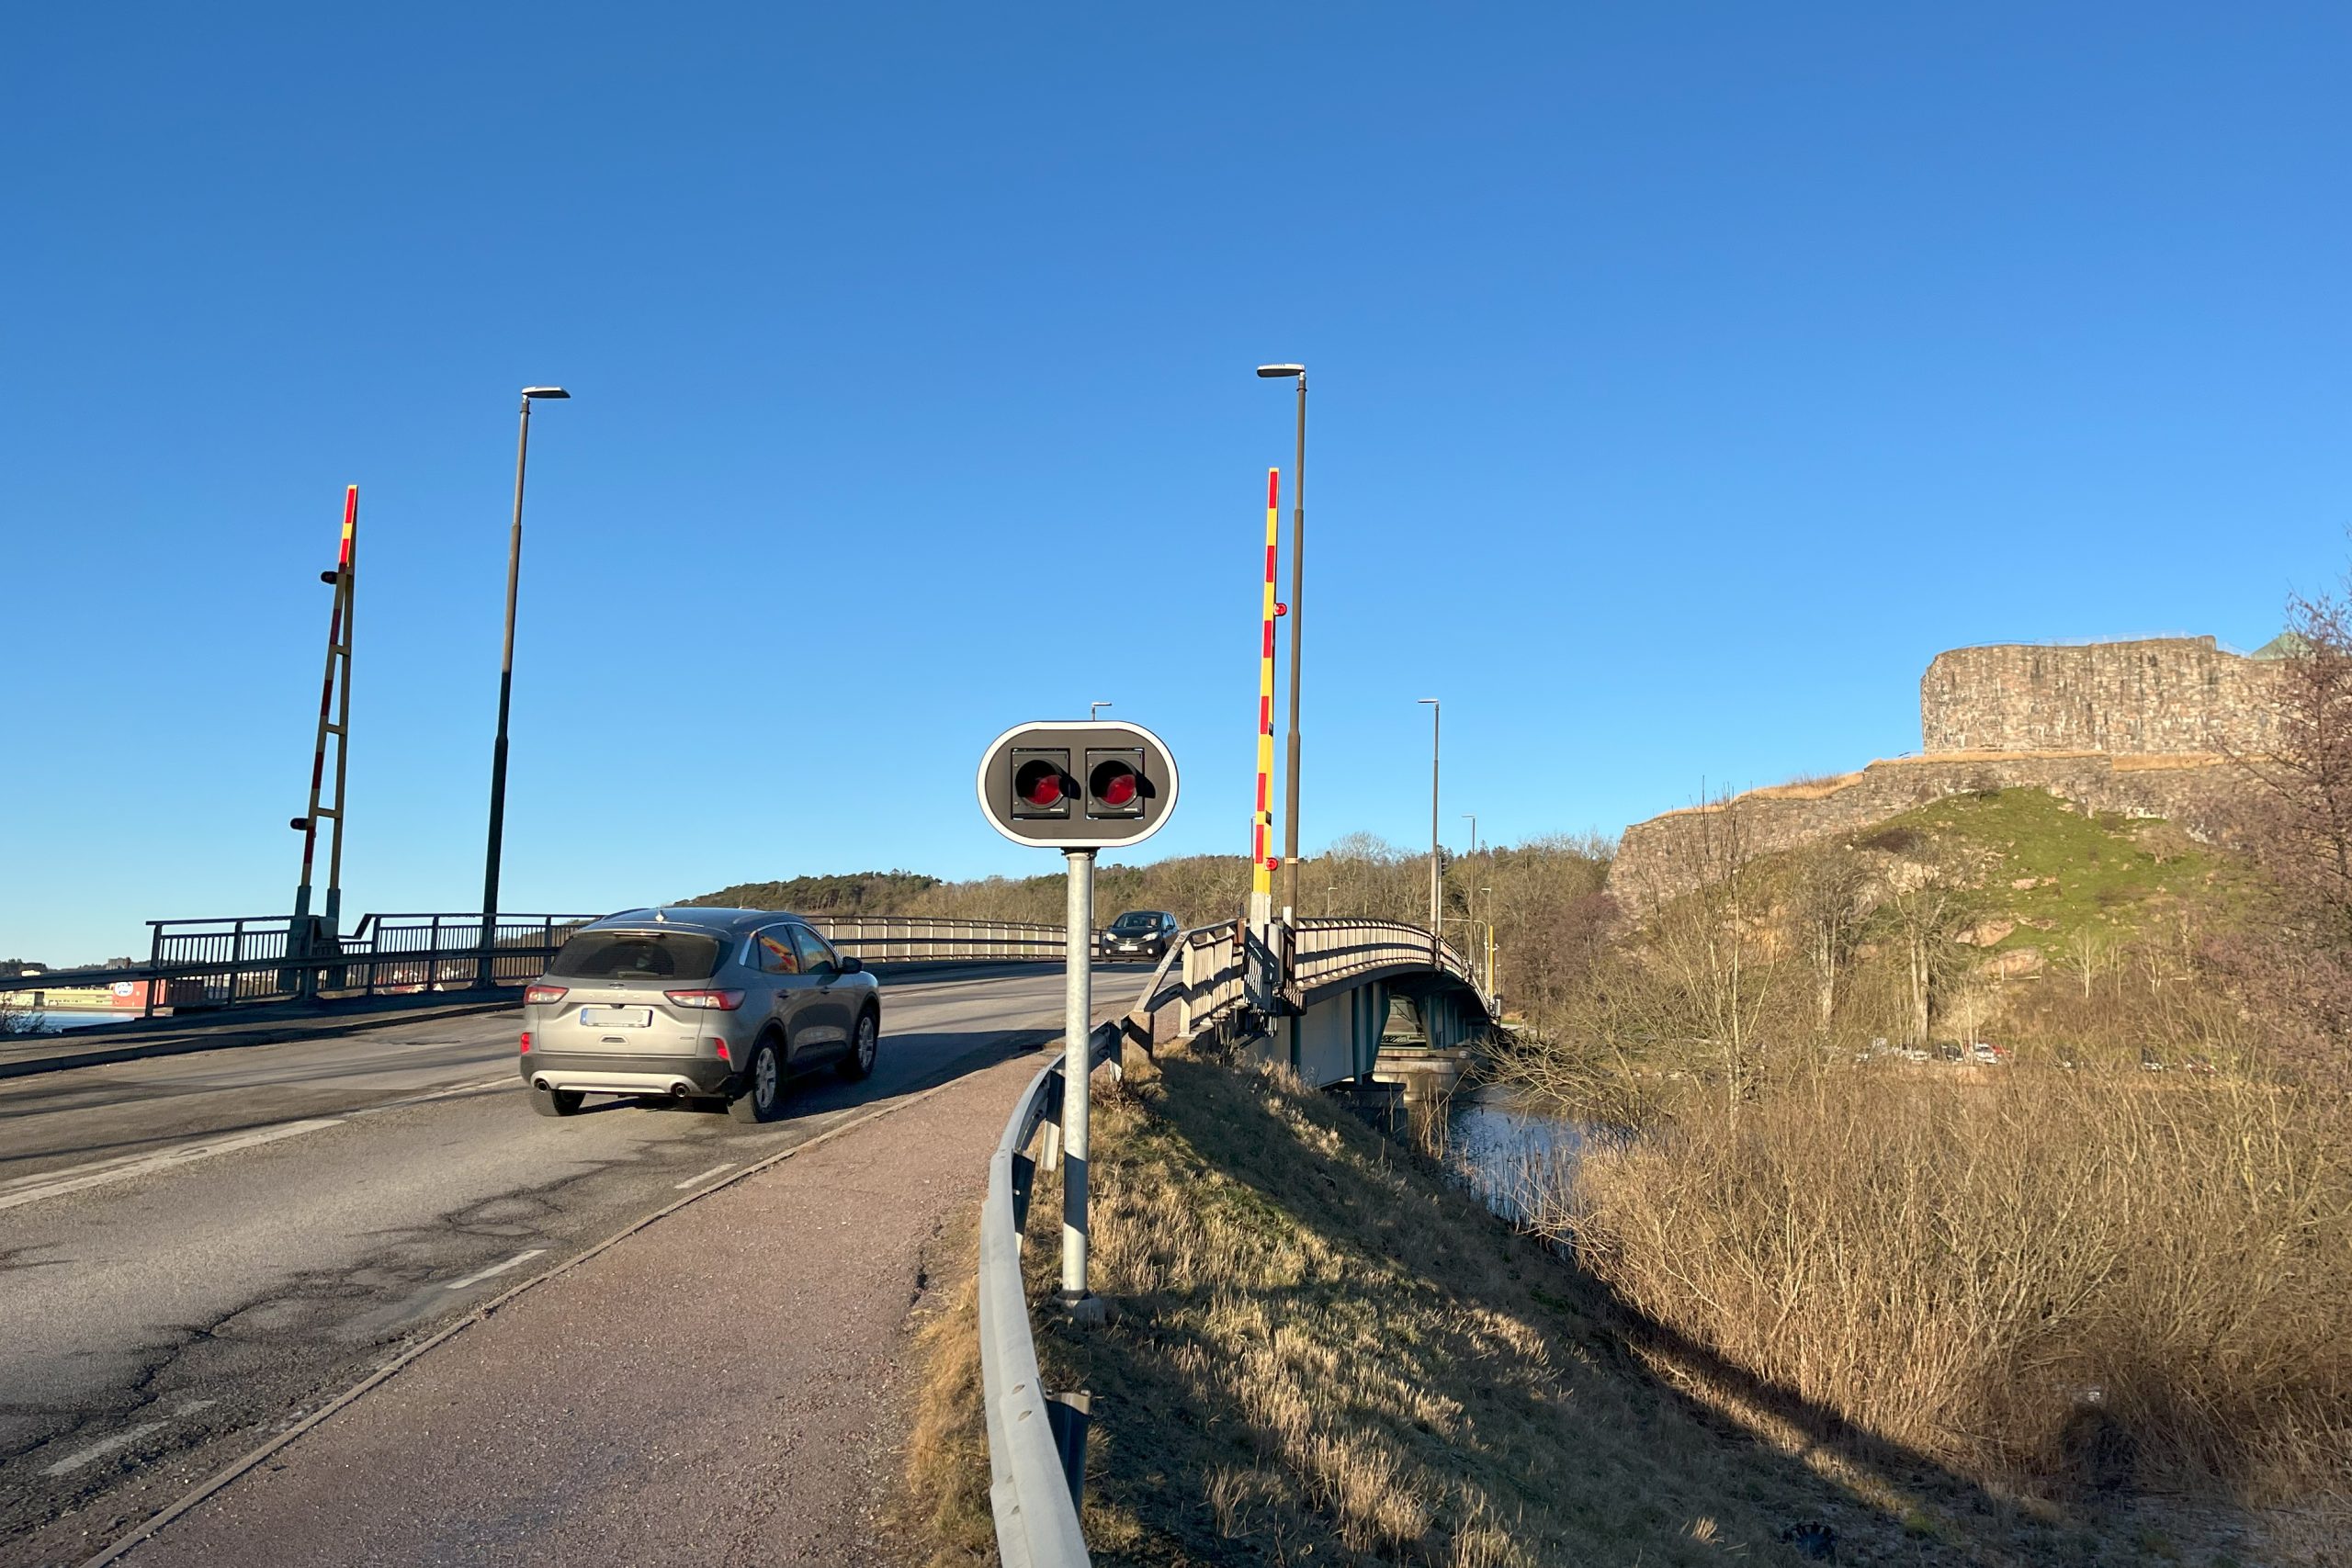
(1033, 1497)
(1037, 1482)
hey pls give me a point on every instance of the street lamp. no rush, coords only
(1489, 969)
(506, 691)
(1093, 708)
(1298, 592)
(1436, 709)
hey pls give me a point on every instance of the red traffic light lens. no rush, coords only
(1115, 785)
(1038, 783)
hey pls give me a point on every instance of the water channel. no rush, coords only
(1509, 1150)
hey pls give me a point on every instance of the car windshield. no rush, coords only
(1133, 922)
(637, 956)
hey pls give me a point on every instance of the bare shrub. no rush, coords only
(1964, 1268)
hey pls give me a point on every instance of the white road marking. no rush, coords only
(123, 1439)
(51, 1184)
(706, 1176)
(478, 1276)
(499, 1082)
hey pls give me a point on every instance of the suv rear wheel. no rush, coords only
(762, 1095)
(862, 1046)
(556, 1102)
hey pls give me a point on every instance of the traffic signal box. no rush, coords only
(1077, 785)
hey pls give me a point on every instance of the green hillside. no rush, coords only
(2061, 871)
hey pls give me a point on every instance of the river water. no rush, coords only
(1508, 1150)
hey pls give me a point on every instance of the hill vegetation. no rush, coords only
(1544, 897)
(2116, 1265)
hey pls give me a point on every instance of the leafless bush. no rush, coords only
(1965, 1268)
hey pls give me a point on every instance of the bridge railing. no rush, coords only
(239, 961)
(1328, 950)
(912, 938)
(236, 960)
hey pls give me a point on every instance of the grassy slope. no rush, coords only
(1320, 1350)
(2116, 877)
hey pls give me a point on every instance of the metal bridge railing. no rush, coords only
(238, 961)
(1328, 950)
(904, 938)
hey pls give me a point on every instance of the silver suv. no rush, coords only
(695, 1004)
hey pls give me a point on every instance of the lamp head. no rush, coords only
(1271, 371)
(544, 392)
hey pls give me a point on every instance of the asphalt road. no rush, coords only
(196, 1251)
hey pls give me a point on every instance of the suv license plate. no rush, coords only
(617, 1017)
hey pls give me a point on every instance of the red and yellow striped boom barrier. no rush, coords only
(1262, 838)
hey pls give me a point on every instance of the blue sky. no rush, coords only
(1685, 377)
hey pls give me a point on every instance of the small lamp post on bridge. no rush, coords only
(1436, 709)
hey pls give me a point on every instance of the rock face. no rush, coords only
(2165, 696)
(1657, 859)
(2144, 729)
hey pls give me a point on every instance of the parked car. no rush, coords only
(1987, 1054)
(723, 1005)
(1140, 933)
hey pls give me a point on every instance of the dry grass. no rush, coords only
(1320, 1349)
(2080, 1283)
(944, 1503)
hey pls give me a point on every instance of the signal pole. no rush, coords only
(1078, 1027)
(335, 718)
(1076, 787)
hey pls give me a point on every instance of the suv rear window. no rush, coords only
(637, 956)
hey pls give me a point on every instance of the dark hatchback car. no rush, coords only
(1140, 933)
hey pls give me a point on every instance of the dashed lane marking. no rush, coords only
(706, 1176)
(479, 1275)
(502, 1081)
(51, 1184)
(121, 1439)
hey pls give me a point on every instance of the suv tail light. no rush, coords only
(721, 1001)
(541, 996)
(526, 1041)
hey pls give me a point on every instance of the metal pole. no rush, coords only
(506, 700)
(1435, 710)
(348, 567)
(1077, 1022)
(1297, 614)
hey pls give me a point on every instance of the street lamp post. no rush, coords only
(1436, 709)
(1488, 968)
(1094, 709)
(506, 693)
(1470, 900)
(1297, 594)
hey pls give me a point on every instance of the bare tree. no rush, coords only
(1926, 908)
(2085, 955)
(2294, 964)
(1830, 897)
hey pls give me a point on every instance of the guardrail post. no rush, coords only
(1068, 1415)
